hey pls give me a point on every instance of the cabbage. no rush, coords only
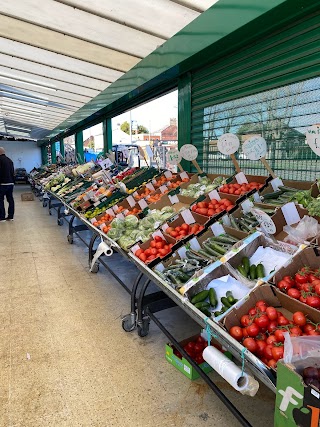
(131, 221)
(204, 180)
(114, 233)
(148, 222)
(118, 223)
(210, 188)
(125, 242)
(167, 209)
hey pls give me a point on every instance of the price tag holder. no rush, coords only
(158, 233)
(264, 220)
(256, 197)
(92, 220)
(160, 267)
(173, 199)
(187, 217)
(110, 212)
(168, 174)
(313, 138)
(173, 156)
(164, 227)
(226, 220)
(120, 215)
(217, 229)
(106, 164)
(163, 189)
(135, 248)
(182, 252)
(241, 178)
(143, 204)
(131, 201)
(149, 152)
(189, 152)
(247, 205)
(102, 225)
(150, 186)
(276, 182)
(214, 195)
(184, 175)
(290, 213)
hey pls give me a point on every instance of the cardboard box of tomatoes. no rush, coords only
(264, 316)
(244, 184)
(156, 248)
(194, 346)
(213, 206)
(184, 225)
(300, 279)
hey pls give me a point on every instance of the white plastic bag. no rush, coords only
(307, 228)
(300, 348)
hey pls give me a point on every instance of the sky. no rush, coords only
(153, 115)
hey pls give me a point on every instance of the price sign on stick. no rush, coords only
(313, 138)
(174, 157)
(228, 144)
(264, 220)
(190, 152)
(255, 148)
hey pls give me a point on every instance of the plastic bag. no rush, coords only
(300, 348)
(307, 228)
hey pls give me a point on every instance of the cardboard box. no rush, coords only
(27, 197)
(184, 217)
(183, 365)
(297, 405)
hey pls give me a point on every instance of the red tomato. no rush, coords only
(236, 333)
(245, 320)
(262, 321)
(245, 333)
(253, 330)
(153, 251)
(153, 244)
(289, 279)
(160, 245)
(185, 227)
(198, 348)
(261, 304)
(151, 257)
(283, 285)
(268, 351)
(312, 277)
(201, 340)
(163, 252)
(138, 252)
(272, 326)
(261, 345)
(299, 318)
(147, 252)
(271, 339)
(158, 239)
(294, 293)
(211, 212)
(250, 344)
(199, 359)
(272, 363)
(303, 299)
(279, 335)
(295, 331)
(174, 234)
(277, 352)
(307, 287)
(299, 277)
(189, 350)
(308, 327)
(317, 287)
(282, 321)
(313, 301)
(143, 257)
(314, 333)
(252, 312)
(271, 312)
(261, 337)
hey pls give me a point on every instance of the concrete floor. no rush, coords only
(64, 358)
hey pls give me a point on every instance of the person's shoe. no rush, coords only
(9, 219)
(2, 220)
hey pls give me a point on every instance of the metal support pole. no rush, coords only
(62, 152)
(79, 146)
(107, 135)
(44, 154)
(53, 153)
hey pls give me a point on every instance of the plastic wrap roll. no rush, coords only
(226, 368)
(103, 248)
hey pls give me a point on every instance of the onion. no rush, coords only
(312, 381)
(311, 372)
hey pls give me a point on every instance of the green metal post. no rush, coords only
(62, 147)
(53, 153)
(184, 115)
(79, 147)
(44, 154)
(107, 135)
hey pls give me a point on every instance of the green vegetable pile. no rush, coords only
(252, 271)
(204, 186)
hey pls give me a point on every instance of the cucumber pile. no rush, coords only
(227, 302)
(204, 300)
(251, 271)
(215, 247)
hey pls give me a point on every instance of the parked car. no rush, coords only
(20, 175)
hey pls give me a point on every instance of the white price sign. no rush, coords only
(173, 157)
(264, 220)
(228, 143)
(105, 164)
(255, 148)
(189, 152)
(313, 138)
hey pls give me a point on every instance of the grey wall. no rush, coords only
(24, 154)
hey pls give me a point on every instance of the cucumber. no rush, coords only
(260, 271)
(253, 272)
(230, 297)
(204, 254)
(206, 312)
(218, 248)
(217, 313)
(234, 222)
(246, 264)
(202, 304)
(213, 298)
(273, 195)
(225, 302)
(210, 251)
(200, 296)
(241, 270)
(225, 238)
(192, 255)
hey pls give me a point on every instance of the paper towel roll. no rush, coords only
(226, 368)
(102, 248)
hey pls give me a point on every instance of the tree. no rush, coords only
(125, 127)
(142, 129)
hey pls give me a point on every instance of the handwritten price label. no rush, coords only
(264, 220)
(255, 147)
(189, 152)
(228, 143)
(173, 157)
(313, 138)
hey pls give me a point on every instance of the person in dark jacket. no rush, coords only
(6, 186)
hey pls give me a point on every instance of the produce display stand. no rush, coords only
(144, 305)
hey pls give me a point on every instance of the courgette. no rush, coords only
(230, 297)
(260, 271)
(200, 296)
(225, 238)
(210, 251)
(225, 302)
(246, 264)
(233, 223)
(253, 272)
(241, 270)
(202, 304)
(213, 298)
